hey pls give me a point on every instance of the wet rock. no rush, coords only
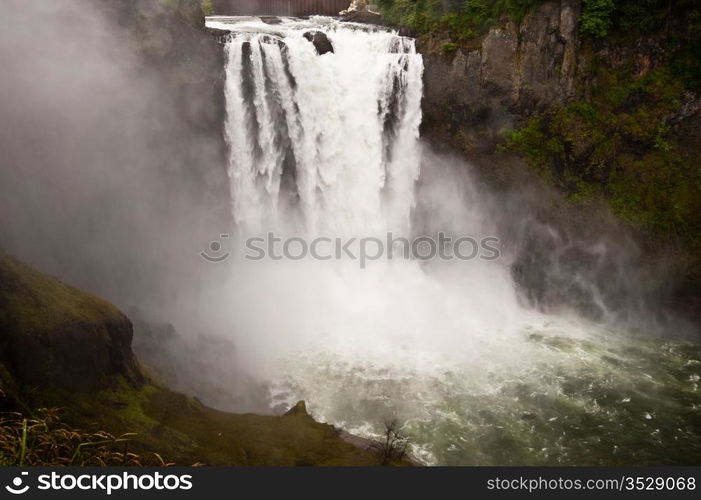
(271, 19)
(492, 84)
(364, 17)
(321, 42)
(498, 64)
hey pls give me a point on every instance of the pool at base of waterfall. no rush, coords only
(602, 398)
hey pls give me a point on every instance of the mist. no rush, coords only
(109, 177)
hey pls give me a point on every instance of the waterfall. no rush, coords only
(322, 143)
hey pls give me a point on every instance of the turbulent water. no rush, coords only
(329, 145)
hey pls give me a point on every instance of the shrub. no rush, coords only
(449, 48)
(597, 18)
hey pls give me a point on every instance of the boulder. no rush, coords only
(321, 42)
(271, 19)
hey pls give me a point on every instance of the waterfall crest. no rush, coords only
(322, 143)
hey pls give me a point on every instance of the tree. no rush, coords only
(392, 448)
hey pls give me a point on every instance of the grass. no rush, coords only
(31, 302)
(44, 440)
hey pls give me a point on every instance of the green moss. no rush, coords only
(449, 48)
(620, 146)
(31, 301)
(597, 18)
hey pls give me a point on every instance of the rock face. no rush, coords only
(513, 72)
(53, 335)
(362, 16)
(321, 42)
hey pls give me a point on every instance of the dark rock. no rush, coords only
(494, 83)
(271, 19)
(300, 409)
(321, 42)
(362, 16)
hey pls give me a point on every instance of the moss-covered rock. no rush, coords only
(52, 334)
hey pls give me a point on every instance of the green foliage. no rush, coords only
(207, 7)
(621, 146)
(463, 19)
(449, 48)
(639, 17)
(33, 302)
(597, 17)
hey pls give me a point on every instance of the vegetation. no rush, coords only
(32, 302)
(392, 448)
(597, 16)
(449, 47)
(44, 440)
(638, 17)
(621, 146)
(184, 431)
(464, 19)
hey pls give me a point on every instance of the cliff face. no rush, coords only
(494, 83)
(513, 71)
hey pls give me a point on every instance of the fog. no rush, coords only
(108, 178)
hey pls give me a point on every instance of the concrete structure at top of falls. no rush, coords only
(281, 7)
(322, 144)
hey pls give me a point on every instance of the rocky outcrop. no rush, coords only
(298, 410)
(321, 42)
(362, 16)
(53, 335)
(478, 90)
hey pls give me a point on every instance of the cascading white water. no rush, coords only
(328, 145)
(340, 128)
